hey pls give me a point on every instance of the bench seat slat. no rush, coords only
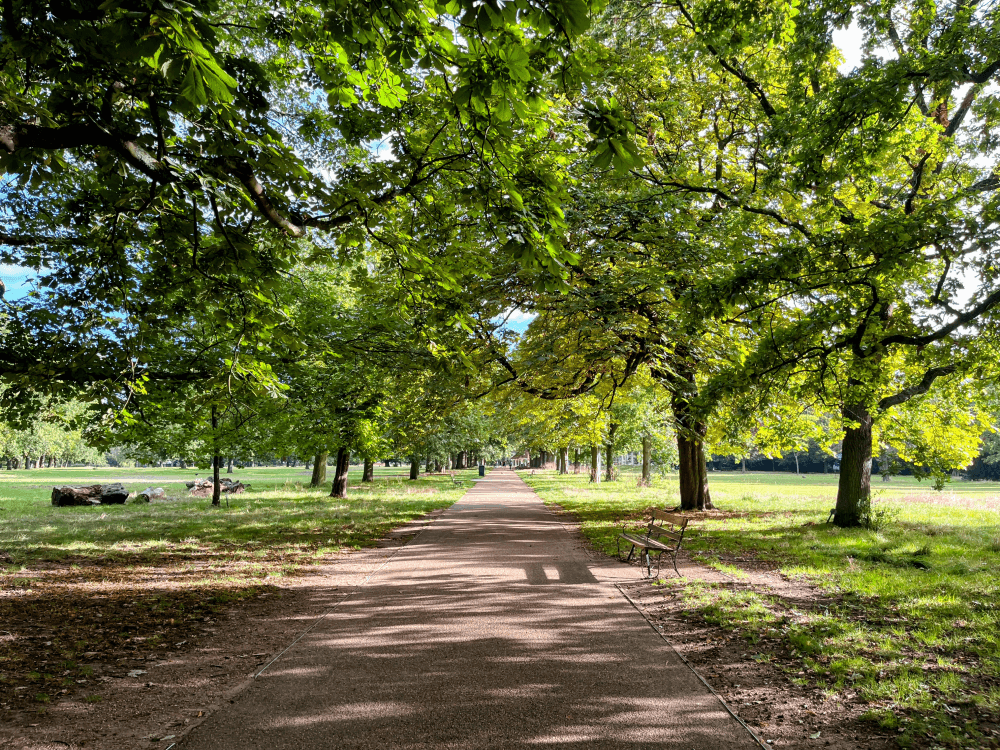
(645, 543)
(658, 532)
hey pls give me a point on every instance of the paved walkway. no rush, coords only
(490, 629)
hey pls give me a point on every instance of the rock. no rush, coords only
(94, 494)
(150, 493)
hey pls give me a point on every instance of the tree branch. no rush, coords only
(915, 390)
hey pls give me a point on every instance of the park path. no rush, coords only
(490, 629)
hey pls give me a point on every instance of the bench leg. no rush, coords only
(675, 565)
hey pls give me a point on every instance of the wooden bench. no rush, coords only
(460, 481)
(666, 537)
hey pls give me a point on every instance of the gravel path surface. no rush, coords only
(492, 628)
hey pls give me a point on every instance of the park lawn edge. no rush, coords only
(103, 582)
(913, 614)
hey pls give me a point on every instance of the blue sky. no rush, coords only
(16, 280)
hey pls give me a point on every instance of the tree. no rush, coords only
(169, 158)
(872, 203)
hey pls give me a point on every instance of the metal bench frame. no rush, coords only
(658, 539)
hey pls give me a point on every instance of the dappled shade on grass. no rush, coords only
(109, 580)
(910, 618)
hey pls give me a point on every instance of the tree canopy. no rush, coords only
(310, 221)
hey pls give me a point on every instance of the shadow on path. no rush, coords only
(488, 630)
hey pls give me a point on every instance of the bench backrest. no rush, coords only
(673, 532)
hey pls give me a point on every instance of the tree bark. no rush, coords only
(855, 485)
(595, 464)
(647, 452)
(693, 468)
(796, 463)
(339, 488)
(563, 460)
(229, 469)
(609, 463)
(691, 431)
(576, 460)
(414, 467)
(369, 472)
(216, 461)
(319, 470)
(704, 499)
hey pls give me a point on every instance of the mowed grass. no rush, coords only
(279, 518)
(910, 618)
(109, 583)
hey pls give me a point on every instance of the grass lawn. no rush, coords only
(914, 623)
(80, 584)
(280, 516)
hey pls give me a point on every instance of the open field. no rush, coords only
(281, 515)
(110, 581)
(908, 617)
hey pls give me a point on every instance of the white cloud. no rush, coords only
(517, 315)
(516, 319)
(13, 273)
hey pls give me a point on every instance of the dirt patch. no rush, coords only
(117, 656)
(755, 681)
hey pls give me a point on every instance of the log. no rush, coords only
(203, 487)
(67, 496)
(94, 494)
(113, 494)
(150, 493)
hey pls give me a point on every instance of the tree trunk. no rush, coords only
(647, 452)
(595, 464)
(216, 461)
(704, 495)
(414, 467)
(609, 450)
(796, 463)
(743, 468)
(854, 488)
(693, 467)
(339, 488)
(576, 460)
(563, 459)
(369, 472)
(229, 469)
(319, 469)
